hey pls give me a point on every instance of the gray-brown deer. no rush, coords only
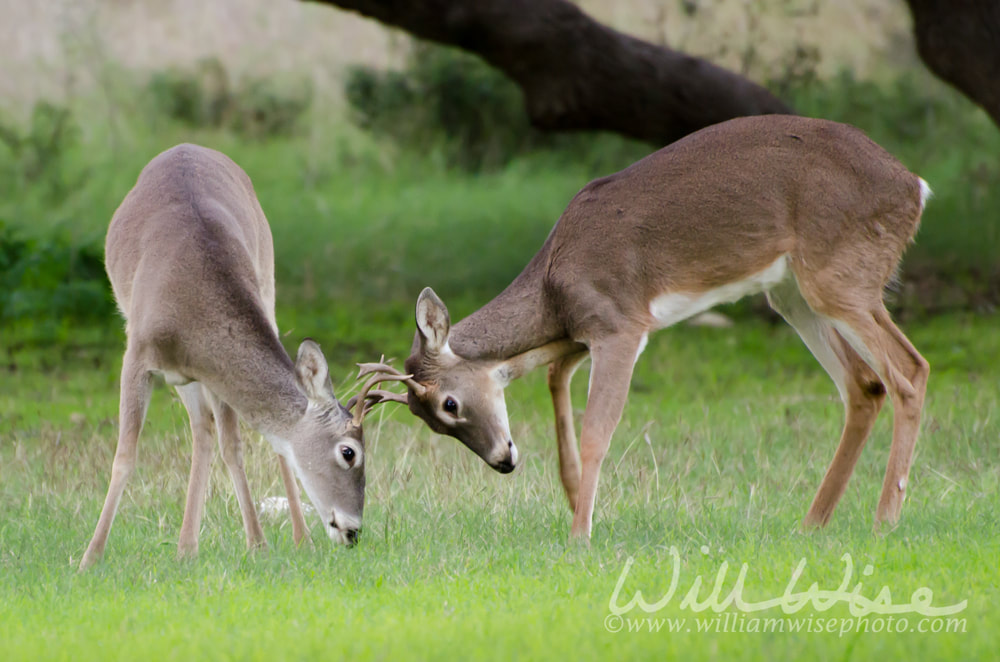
(810, 211)
(190, 258)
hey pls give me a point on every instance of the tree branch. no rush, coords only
(959, 40)
(577, 74)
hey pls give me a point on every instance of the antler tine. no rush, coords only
(365, 369)
(361, 399)
(370, 368)
(379, 396)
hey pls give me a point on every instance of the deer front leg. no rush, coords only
(227, 423)
(613, 360)
(300, 533)
(202, 430)
(135, 393)
(560, 373)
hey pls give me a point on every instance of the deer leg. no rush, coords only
(232, 454)
(135, 392)
(202, 431)
(859, 387)
(300, 533)
(865, 397)
(904, 372)
(560, 373)
(613, 359)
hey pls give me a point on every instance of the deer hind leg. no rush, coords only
(865, 397)
(904, 372)
(232, 454)
(613, 359)
(300, 533)
(202, 432)
(860, 390)
(560, 373)
(135, 392)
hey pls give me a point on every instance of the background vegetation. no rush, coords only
(365, 208)
(428, 175)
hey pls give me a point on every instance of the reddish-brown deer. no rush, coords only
(191, 262)
(810, 211)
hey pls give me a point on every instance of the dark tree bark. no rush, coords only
(576, 73)
(959, 40)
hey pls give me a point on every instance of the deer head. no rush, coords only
(326, 448)
(455, 396)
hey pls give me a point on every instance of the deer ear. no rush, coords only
(313, 373)
(433, 323)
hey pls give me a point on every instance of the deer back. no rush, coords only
(187, 247)
(727, 202)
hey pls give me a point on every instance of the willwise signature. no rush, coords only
(790, 601)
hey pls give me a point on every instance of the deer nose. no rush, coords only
(506, 465)
(344, 534)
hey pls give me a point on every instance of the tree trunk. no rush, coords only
(959, 40)
(576, 73)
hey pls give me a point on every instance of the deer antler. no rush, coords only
(381, 372)
(385, 368)
(377, 397)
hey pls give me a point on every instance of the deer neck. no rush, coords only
(519, 327)
(262, 388)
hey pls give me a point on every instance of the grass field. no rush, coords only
(726, 436)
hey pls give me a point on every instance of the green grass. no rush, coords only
(725, 438)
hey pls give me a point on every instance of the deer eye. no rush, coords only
(347, 453)
(451, 406)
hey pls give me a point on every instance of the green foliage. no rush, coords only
(49, 283)
(37, 152)
(258, 107)
(267, 107)
(453, 103)
(903, 110)
(447, 100)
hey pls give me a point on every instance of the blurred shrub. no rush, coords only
(37, 152)
(265, 108)
(445, 99)
(796, 69)
(259, 107)
(51, 281)
(453, 103)
(199, 97)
